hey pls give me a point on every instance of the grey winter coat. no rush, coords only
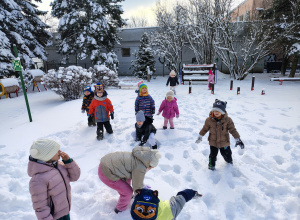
(128, 165)
(218, 130)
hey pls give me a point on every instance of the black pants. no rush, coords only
(107, 126)
(225, 152)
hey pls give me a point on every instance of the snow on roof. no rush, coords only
(9, 82)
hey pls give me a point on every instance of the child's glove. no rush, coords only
(153, 112)
(112, 116)
(177, 116)
(240, 143)
(188, 194)
(158, 113)
(88, 115)
(199, 139)
(82, 111)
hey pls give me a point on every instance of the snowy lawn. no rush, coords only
(263, 183)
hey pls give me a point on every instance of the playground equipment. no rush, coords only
(197, 72)
(8, 86)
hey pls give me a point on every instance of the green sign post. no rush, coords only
(18, 67)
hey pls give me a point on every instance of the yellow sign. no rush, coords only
(17, 65)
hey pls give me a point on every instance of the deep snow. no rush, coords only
(263, 183)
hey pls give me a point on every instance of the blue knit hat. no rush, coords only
(87, 88)
(145, 205)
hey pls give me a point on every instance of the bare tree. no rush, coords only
(136, 22)
(170, 38)
(50, 21)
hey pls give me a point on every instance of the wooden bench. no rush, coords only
(8, 86)
(196, 72)
(284, 79)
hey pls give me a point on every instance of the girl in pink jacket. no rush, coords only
(169, 108)
(49, 186)
(211, 78)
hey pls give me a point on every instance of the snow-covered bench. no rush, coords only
(8, 86)
(196, 72)
(37, 75)
(284, 79)
(129, 83)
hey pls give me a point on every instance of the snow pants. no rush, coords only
(122, 187)
(225, 152)
(107, 126)
(166, 120)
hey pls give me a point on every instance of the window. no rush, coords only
(125, 52)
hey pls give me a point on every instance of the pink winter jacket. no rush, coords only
(211, 77)
(169, 109)
(50, 188)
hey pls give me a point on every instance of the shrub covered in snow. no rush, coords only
(68, 82)
(106, 76)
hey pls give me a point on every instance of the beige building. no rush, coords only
(248, 10)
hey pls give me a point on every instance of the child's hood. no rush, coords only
(144, 154)
(174, 100)
(36, 168)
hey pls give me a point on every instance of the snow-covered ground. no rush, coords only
(263, 183)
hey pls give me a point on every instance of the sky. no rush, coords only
(132, 8)
(262, 183)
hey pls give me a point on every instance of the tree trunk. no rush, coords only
(294, 65)
(285, 61)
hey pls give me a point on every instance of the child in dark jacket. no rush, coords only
(145, 131)
(87, 99)
(147, 205)
(145, 103)
(103, 109)
(173, 80)
(169, 108)
(219, 124)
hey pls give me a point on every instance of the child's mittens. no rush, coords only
(177, 116)
(112, 116)
(188, 194)
(158, 113)
(199, 139)
(82, 111)
(240, 143)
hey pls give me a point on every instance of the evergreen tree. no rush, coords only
(144, 57)
(88, 28)
(20, 25)
(285, 15)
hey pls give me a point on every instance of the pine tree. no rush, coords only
(20, 25)
(144, 57)
(88, 28)
(286, 29)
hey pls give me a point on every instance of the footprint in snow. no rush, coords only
(165, 167)
(209, 200)
(171, 180)
(188, 177)
(215, 177)
(177, 169)
(278, 159)
(169, 156)
(287, 147)
(2, 146)
(248, 198)
(262, 121)
(186, 154)
(261, 142)
(196, 165)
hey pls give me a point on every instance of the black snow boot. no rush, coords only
(100, 135)
(154, 146)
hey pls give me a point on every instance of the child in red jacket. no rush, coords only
(103, 109)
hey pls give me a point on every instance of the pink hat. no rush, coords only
(140, 82)
(210, 72)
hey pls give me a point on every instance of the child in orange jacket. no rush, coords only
(103, 110)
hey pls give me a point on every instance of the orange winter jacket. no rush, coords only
(101, 107)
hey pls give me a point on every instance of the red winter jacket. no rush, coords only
(101, 107)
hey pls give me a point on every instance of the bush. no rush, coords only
(68, 82)
(101, 73)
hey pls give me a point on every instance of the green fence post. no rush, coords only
(18, 67)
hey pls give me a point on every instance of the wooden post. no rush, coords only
(190, 86)
(238, 90)
(253, 80)
(212, 86)
(231, 84)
